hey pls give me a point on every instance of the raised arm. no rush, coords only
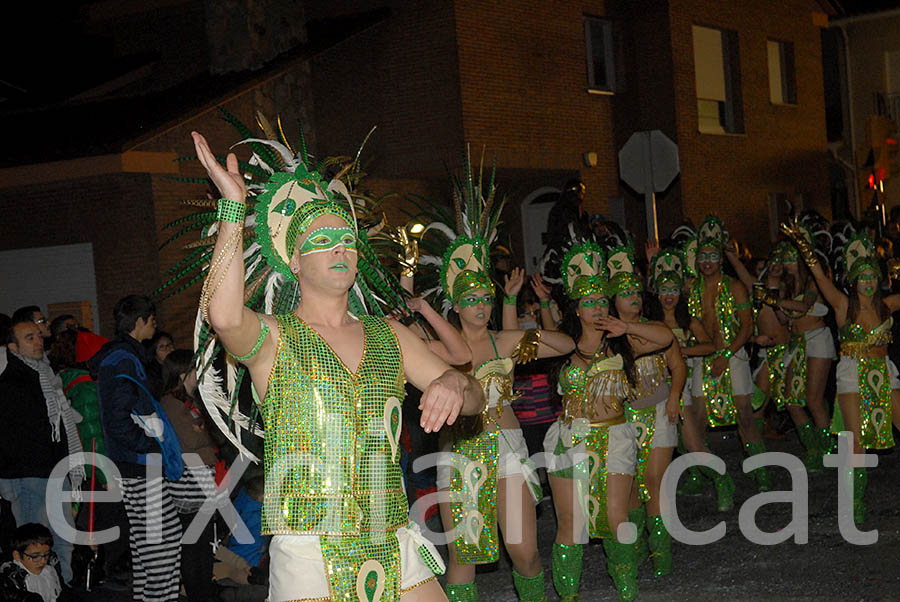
(451, 347)
(743, 273)
(542, 291)
(512, 284)
(446, 393)
(833, 296)
(237, 327)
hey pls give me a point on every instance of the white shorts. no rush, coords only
(621, 453)
(820, 343)
(848, 375)
(513, 460)
(741, 379)
(297, 569)
(665, 434)
(693, 386)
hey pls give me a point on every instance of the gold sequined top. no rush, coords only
(495, 376)
(331, 444)
(856, 342)
(604, 382)
(650, 372)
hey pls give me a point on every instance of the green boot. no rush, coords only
(860, 480)
(566, 563)
(724, 488)
(622, 568)
(660, 546)
(827, 440)
(464, 592)
(693, 483)
(812, 442)
(638, 516)
(760, 475)
(530, 589)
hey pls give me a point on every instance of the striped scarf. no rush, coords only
(59, 410)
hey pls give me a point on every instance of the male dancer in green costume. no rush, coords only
(331, 386)
(722, 305)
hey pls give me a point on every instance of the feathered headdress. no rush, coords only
(456, 248)
(287, 193)
(686, 239)
(667, 265)
(581, 269)
(712, 233)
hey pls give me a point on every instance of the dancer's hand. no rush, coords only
(442, 400)
(718, 366)
(512, 284)
(614, 326)
(673, 410)
(230, 182)
(541, 290)
(651, 249)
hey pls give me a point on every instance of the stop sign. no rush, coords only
(649, 161)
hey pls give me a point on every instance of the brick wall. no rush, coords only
(784, 148)
(107, 211)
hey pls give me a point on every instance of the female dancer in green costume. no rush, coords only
(591, 448)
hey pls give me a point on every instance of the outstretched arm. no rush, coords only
(743, 273)
(656, 333)
(451, 347)
(236, 326)
(446, 393)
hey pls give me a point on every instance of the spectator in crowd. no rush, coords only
(236, 561)
(5, 325)
(132, 429)
(32, 313)
(37, 430)
(190, 491)
(31, 575)
(159, 346)
(62, 323)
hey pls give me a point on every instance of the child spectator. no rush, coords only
(31, 575)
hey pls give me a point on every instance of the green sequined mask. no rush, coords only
(327, 238)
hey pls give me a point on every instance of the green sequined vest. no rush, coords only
(725, 307)
(331, 444)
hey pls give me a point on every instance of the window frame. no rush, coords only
(787, 66)
(731, 110)
(609, 59)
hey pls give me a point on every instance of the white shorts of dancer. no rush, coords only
(848, 375)
(665, 434)
(513, 460)
(297, 569)
(621, 455)
(693, 386)
(741, 379)
(820, 343)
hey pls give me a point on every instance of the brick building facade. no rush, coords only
(433, 76)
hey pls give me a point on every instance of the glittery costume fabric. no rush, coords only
(331, 458)
(719, 395)
(775, 365)
(473, 488)
(795, 390)
(875, 407)
(650, 372)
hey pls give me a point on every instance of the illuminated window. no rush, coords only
(782, 73)
(718, 78)
(598, 42)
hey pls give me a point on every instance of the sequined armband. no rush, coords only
(263, 333)
(231, 211)
(742, 306)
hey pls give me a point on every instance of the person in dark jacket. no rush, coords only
(31, 575)
(37, 430)
(137, 433)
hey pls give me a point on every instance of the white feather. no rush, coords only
(430, 260)
(286, 155)
(272, 284)
(444, 228)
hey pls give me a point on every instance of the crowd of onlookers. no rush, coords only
(65, 390)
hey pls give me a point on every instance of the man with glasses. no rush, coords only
(37, 430)
(32, 313)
